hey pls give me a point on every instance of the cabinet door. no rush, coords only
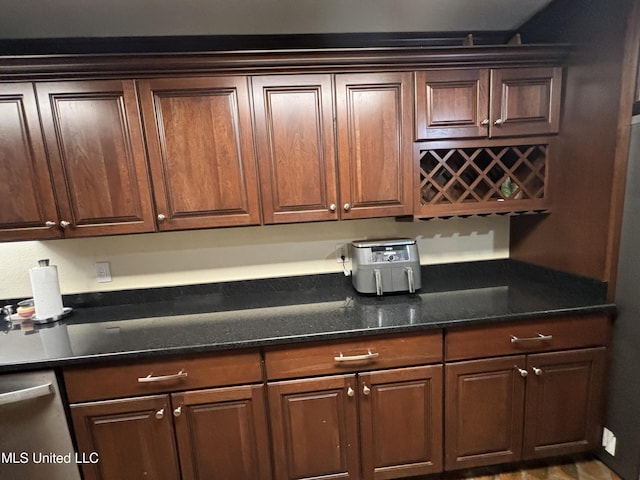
(375, 148)
(452, 104)
(222, 433)
(94, 138)
(484, 412)
(295, 145)
(525, 101)
(314, 428)
(564, 402)
(401, 422)
(200, 145)
(28, 209)
(132, 437)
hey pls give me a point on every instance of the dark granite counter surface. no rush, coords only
(255, 313)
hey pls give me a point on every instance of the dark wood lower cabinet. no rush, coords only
(484, 403)
(222, 433)
(507, 409)
(133, 438)
(508, 402)
(214, 434)
(314, 428)
(401, 422)
(564, 402)
(315, 425)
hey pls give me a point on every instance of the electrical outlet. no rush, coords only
(342, 252)
(103, 272)
(609, 441)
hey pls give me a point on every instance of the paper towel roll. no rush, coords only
(46, 291)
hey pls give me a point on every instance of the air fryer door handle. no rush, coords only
(378, 277)
(412, 287)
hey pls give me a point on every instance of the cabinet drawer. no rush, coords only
(525, 337)
(142, 378)
(353, 355)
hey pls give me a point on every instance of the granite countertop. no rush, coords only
(256, 313)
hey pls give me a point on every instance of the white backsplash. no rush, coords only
(227, 254)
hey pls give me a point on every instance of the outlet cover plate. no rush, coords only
(103, 272)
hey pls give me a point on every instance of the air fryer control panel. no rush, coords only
(385, 254)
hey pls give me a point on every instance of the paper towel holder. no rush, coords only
(66, 311)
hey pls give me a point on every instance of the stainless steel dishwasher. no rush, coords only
(34, 435)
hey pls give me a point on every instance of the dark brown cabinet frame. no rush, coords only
(353, 129)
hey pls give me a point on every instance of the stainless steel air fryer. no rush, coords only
(385, 266)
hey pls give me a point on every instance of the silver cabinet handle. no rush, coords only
(539, 338)
(498, 122)
(162, 378)
(160, 414)
(161, 217)
(485, 122)
(50, 224)
(64, 224)
(333, 207)
(537, 371)
(178, 411)
(356, 358)
(523, 373)
(366, 390)
(346, 207)
(350, 392)
(26, 394)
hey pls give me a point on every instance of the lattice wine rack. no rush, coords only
(474, 180)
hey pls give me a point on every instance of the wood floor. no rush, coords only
(579, 470)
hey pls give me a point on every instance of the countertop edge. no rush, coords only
(607, 308)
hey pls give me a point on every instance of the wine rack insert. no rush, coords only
(481, 179)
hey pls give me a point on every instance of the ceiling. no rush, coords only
(23, 19)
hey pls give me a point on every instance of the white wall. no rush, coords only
(205, 256)
(85, 18)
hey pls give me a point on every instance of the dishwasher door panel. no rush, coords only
(34, 435)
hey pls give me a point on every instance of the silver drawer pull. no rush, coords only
(539, 338)
(357, 358)
(162, 378)
(26, 394)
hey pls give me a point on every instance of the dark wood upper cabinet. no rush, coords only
(94, 140)
(525, 101)
(374, 144)
(478, 103)
(295, 146)
(28, 208)
(200, 144)
(452, 103)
